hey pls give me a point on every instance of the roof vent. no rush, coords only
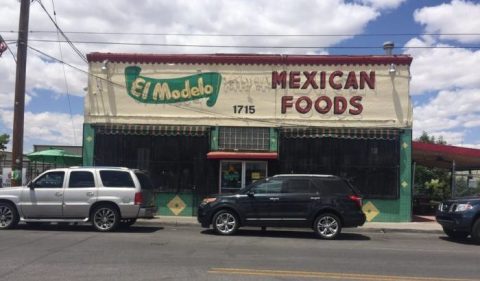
(388, 47)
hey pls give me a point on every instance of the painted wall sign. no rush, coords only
(250, 95)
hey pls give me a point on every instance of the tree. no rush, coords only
(4, 139)
(431, 184)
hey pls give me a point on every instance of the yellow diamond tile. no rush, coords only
(405, 145)
(404, 184)
(370, 211)
(176, 205)
(89, 138)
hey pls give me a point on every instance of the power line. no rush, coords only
(8, 47)
(177, 106)
(252, 35)
(67, 40)
(242, 46)
(65, 77)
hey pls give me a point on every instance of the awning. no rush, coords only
(344, 133)
(150, 130)
(442, 156)
(241, 155)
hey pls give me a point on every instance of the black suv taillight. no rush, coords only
(356, 199)
(138, 198)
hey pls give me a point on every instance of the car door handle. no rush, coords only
(274, 198)
(58, 194)
(90, 194)
(315, 198)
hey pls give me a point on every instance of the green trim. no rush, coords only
(88, 144)
(273, 140)
(399, 210)
(214, 139)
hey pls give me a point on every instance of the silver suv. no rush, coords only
(105, 196)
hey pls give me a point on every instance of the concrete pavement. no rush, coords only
(420, 225)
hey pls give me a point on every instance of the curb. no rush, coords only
(363, 229)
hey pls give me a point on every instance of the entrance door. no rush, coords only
(236, 174)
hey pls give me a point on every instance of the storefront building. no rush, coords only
(203, 124)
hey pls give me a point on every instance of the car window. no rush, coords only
(145, 182)
(50, 180)
(269, 186)
(297, 186)
(116, 179)
(79, 179)
(332, 186)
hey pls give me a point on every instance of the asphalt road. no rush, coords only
(148, 252)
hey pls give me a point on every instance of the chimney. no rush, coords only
(388, 47)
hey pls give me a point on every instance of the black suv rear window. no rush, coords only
(332, 186)
(145, 182)
(116, 179)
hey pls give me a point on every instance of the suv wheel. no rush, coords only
(225, 222)
(476, 231)
(8, 216)
(455, 234)
(327, 226)
(105, 218)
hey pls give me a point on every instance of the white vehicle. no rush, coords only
(105, 196)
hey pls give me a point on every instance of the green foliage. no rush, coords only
(4, 139)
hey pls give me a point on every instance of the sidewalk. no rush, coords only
(420, 225)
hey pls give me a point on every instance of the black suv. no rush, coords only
(460, 217)
(323, 202)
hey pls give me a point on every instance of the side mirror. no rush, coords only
(31, 185)
(250, 193)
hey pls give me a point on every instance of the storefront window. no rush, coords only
(237, 174)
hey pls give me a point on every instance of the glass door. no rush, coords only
(237, 174)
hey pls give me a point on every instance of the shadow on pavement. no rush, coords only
(86, 228)
(289, 234)
(466, 241)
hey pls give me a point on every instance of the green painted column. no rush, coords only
(273, 140)
(396, 210)
(406, 175)
(88, 144)
(214, 139)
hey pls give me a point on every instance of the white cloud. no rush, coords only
(450, 114)
(47, 128)
(441, 69)
(449, 18)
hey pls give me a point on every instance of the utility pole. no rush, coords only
(19, 103)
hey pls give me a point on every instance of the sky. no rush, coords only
(443, 37)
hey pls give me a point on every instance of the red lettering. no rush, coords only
(305, 109)
(339, 105)
(310, 79)
(355, 102)
(326, 108)
(351, 81)
(294, 82)
(323, 78)
(331, 81)
(370, 80)
(286, 103)
(279, 78)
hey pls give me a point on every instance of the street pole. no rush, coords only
(19, 103)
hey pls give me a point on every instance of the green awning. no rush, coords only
(344, 133)
(150, 130)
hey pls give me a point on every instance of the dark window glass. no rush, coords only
(371, 165)
(145, 182)
(269, 186)
(116, 179)
(80, 179)
(50, 180)
(332, 186)
(297, 186)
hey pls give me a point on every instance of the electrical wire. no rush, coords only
(251, 35)
(213, 114)
(67, 40)
(8, 48)
(243, 46)
(65, 77)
